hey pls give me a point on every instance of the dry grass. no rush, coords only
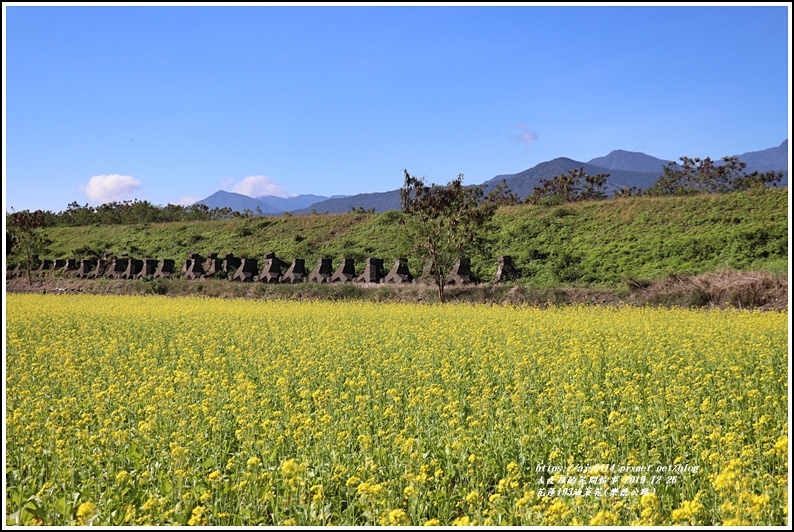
(718, 289)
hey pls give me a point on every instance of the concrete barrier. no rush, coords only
(134, 266)
(99, 270)
(166, 268)
(399, 273)
(461, 273)
(428, 274)
(322, 272)
(230, 264)
(70, 268)
(45, 266)
(271, 272)
(296, 273)
(506, 270)
(345, 273)
(148, 268)
(247, 271)
(213, 265)
(86, 266)
(194, 267)
(116, 268)
(373, 271)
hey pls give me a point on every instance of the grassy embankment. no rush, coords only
(619, 244)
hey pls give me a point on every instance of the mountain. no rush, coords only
(236, 202)
(266, 204)
(630, 161)
(631, 169)
(625, 169)
(293, 203)
(380, 201)
(772, 159)
(523, 183)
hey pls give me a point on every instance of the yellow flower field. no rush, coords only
(154, 410)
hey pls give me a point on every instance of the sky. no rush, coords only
(171, 103)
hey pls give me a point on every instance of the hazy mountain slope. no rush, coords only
(771, 159)
(625, 169)
(292, 203)
(630, 161)
(380, 201)
(236, 202)
(523, 183)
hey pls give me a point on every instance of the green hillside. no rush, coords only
(601, 243)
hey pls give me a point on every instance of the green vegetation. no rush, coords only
(607, 242)
(694, 176)
(444, 222)
(130, 212)
(25, 234)
(601, 243)
(576, 185)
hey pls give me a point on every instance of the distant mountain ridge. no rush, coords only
(625, 169)
(630, 161)
(236, 202)
(523, 183)
(380, 201)
(290, 204)
(265, 204)
(769, 160)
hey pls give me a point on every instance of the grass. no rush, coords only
(603, 243)
(718, 289)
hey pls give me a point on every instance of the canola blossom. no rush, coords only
(133, 410)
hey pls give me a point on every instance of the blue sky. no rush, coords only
(170, 103)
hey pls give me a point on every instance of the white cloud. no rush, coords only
(255, 186)
(187, 200)
(111, 187)
(526, 137)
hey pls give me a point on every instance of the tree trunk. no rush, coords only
(29, 267)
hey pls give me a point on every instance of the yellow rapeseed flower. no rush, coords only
(86, 510)
(398, 517)
(393, 401)
(197, 516)
(603, 517)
